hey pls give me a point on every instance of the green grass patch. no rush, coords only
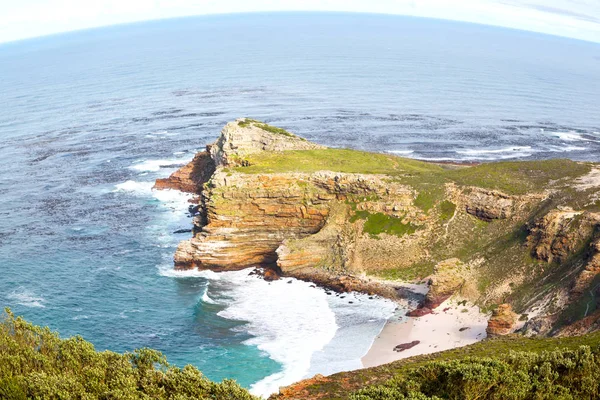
(336, 160)
(247, 122)
(415, 272)
(518, 177)
(425, 200)
(377, 223)
(447, 209)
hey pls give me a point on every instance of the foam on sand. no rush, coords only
(442, 330)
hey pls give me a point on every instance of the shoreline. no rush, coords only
(438, 331)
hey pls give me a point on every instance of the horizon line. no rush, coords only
(228, 14)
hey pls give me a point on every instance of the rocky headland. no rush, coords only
(520, 238)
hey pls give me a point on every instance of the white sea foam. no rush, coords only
(570, 136)
(206, 298)
(296, 324)
(402, 152)
(171, 199)
(496, 154)
(513, 149)
(168, 271)
(290, 322)
(157, 165)
(566, 149)
(137, 188)
(26, 298)
(486, 154)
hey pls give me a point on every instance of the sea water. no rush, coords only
(89, 120)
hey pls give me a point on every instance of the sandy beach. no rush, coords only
(449, 326)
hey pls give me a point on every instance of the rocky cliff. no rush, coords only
(520, 233)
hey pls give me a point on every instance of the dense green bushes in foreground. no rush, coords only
(558, 374)
(36, 363)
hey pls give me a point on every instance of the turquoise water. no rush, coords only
(88, 120)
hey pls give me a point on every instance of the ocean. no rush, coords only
(88, 121)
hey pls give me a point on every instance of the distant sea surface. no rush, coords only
(89, 120)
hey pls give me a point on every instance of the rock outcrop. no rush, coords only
(191, 177)
(245, 136)
(502, 322)
(448, 279)
(560, 233)
(489, 205)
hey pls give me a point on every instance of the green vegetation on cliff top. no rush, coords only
(515, 177)
(35, 363)
(266, 127)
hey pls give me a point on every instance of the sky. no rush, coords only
(21, 19)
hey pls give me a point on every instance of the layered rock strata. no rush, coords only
(413, 221)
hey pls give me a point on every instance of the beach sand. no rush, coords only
(438, 331)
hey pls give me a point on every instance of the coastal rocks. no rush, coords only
(247, 218)
(405, 346)
(268, 274)
(489, 205)
(502, 321)
(190, 177)
(591, 269)
(448, 278)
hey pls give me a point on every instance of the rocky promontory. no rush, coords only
(520, 233)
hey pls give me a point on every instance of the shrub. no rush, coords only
(36, 363)
(558, 374)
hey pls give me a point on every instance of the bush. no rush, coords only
(37, 363)
(558, 374)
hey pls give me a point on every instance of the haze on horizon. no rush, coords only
(578, 19)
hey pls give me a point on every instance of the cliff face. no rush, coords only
(526, 234)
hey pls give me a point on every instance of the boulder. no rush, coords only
(502, 322)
